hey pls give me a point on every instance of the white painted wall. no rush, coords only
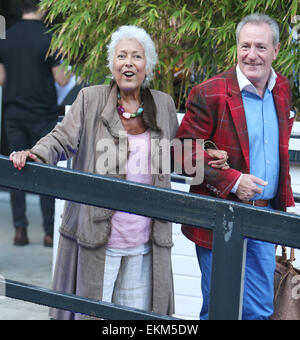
(186, 272)
(295, 177)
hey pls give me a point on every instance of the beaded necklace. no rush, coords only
(125, 114)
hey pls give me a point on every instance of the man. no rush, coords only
(30, 101)
(246, 112)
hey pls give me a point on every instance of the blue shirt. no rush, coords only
(263, 131)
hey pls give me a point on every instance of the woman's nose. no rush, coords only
(128, 61)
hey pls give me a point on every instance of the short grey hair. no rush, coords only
(258, 18)
(139, 34)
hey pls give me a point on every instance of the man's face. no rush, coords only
(256, 52)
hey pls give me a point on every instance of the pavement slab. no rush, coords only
(30, 264)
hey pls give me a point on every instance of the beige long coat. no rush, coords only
(85, 229)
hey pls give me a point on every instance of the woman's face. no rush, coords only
(129, 65)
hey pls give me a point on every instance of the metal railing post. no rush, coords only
(0, 116)
(228, 265)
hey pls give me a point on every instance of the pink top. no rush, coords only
(130, 230)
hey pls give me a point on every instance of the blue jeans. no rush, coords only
(259, 280)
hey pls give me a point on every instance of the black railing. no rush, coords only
(297, 198)
(294, 155)
(230, 222)
(50, 298)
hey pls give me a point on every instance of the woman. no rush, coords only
(105, 255)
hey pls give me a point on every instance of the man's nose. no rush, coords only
(252, 53)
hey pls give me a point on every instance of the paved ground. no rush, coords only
(30, 264)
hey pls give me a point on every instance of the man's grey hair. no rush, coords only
(139, 34)
(258, 18)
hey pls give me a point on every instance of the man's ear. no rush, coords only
(276, 51)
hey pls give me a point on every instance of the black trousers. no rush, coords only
(23, 133)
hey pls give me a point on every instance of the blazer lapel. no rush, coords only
(235, 103)
(281, 107)
(282, 115)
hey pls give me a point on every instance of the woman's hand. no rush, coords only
(19, 158)
(221, 158)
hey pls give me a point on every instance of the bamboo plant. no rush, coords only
(195, 39)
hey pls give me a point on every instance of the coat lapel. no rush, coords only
(110, 114)
(119, 144)
(235, 103)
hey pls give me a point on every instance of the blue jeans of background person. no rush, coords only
(259, 280)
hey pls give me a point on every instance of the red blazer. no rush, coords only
(215, 111)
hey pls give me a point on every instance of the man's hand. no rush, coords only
(248, 188)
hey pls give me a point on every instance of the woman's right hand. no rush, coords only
(19, 158)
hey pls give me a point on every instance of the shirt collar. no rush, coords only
(245, 83)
